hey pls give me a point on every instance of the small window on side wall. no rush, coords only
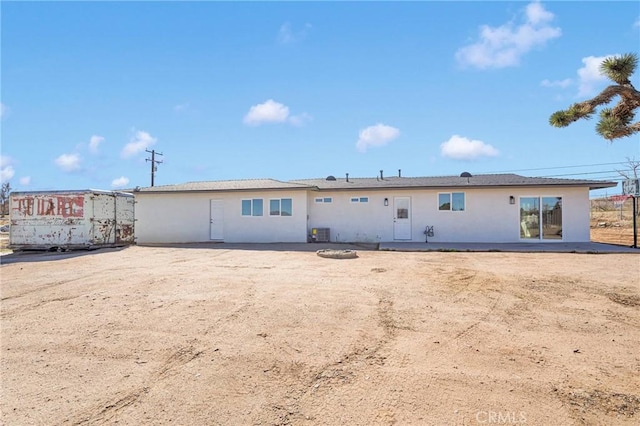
(280, 207)
(324, 200)
(451, 201)
(253, 207)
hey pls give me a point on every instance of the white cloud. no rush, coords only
(589, 77)
(25, 180)
(120, 182)
(6, 168)
(267, 112)
(68, 162)
(503, 46)
(286, 35)
(300, 119)
(138, 143)
(557, 83)
(3, 110)
(636, 24)
(5, 160)
(6, 173)
(461, 148)
(378, 135)
(537, 14)
(94, 143)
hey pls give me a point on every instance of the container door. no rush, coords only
(402, 218)
(125, 219)
(217, 220)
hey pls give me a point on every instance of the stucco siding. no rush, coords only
(488, 215)
(186, 217)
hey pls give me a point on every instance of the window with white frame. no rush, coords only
(252, 207)
(359, 199)
(451, 201)
(280, 207)
(324, 200)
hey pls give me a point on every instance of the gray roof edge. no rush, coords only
(506, 180)
(272, 185)
(526, 182)
(381, 188)
(173, 191)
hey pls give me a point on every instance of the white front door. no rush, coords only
(402, 218)
(217, 220)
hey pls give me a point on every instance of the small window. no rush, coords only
(252, 207)
(457, 201)
(286, 207)
(444, 201)
(359, 199)
(451, 201)
(274, 207)
(324, 200)
(280, 207)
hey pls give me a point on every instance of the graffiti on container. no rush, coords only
(50, 205)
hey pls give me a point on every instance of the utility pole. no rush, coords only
(153, 161)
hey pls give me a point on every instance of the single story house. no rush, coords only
(499, 208)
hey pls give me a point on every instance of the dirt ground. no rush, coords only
(613, 227)
(211, 335)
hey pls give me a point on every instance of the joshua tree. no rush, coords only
(616, 122)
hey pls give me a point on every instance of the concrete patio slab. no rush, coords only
(586, 247)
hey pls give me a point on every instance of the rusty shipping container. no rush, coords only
(71, 219)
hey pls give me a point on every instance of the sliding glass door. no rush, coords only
(541, 218)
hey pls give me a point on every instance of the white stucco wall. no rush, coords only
(488, 216)
(185, 218)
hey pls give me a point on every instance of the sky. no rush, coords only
(295, 90)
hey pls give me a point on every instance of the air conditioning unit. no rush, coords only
(320, 235)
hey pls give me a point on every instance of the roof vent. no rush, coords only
(330, 177)
(465, 174)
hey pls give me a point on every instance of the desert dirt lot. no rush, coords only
(278, 335)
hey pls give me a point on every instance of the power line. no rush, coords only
(583, 173)
(559, 167)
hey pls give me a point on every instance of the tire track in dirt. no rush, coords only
(467, 331)
(105, 411)
(249, 300)
(342, 371)
(463, 282)
(9, 313)
(47, 287)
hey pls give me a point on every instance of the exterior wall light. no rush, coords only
(512, 199)
(386, 201)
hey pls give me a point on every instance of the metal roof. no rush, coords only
(436, 182)
(488, 180)
(225, 185)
